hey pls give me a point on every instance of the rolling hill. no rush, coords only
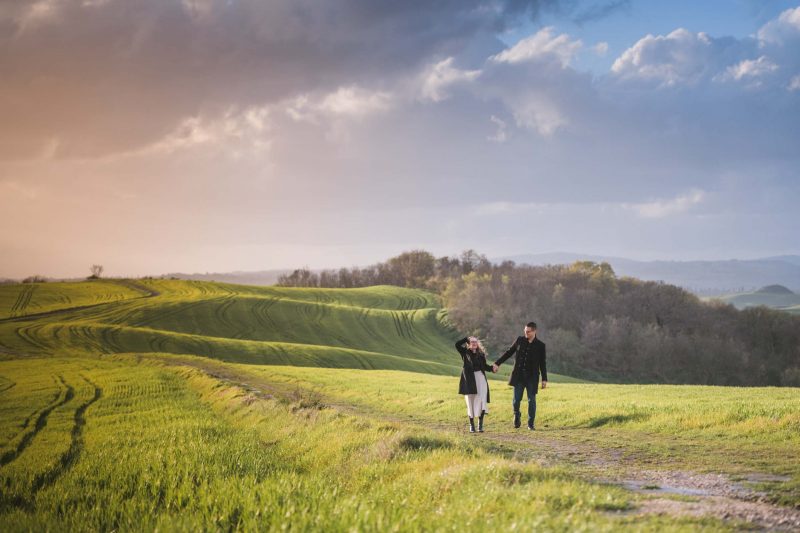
(774, 296)
(372, 328)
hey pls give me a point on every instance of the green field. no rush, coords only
(195, 406)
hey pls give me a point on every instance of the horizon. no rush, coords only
(201, 136)
(493, 259)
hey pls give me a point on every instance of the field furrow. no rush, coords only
(66, 394)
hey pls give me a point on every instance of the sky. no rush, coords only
(164, 136)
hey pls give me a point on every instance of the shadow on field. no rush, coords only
(614, 419)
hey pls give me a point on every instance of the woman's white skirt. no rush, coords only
(476, 403)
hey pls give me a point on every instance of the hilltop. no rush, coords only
(773, 296)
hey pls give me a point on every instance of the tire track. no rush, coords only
(8, 384)
(41, 423)
(23, 299)
(71, 456)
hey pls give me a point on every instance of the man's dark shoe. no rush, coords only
(530, 425)
(517, 421)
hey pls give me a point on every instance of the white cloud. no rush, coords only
(236, 131)
(665, 208)
(794, 83)
(500, 135)
(680, 57)
(750, 68)
(538, 112)
(785, 26)
(442, 75)
(601, 48)
(352, 101)
(541, 45)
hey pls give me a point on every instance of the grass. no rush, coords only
(166, 447)
(708, 429)
(179, 405)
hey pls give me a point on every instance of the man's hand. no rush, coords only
(494, 368)
(544, 384)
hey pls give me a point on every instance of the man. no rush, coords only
(530, 361)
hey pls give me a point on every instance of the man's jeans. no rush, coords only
(530, 386)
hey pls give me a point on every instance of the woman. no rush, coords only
(474, 385)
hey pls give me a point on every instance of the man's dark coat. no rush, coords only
(530, 361)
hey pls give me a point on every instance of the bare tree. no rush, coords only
(97, 271)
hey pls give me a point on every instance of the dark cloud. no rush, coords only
(84, 78)
(600, 11)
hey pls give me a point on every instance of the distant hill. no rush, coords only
(701, 277)
(775, 296)
(260, 277)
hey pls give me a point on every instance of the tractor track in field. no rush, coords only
(41, 422)
(8, 384)
(664, 492)
(23, 299)
(71, 456)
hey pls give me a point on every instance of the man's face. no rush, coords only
(529, 332)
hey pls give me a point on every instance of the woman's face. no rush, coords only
(473, 344)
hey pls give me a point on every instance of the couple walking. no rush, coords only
(530, 361)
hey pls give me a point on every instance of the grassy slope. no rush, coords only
(132, 444)
(377, 327)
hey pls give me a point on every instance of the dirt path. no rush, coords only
(663, 491)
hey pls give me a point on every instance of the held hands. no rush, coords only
(494, 368)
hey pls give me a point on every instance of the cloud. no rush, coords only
(750, 68)
(540, 45)
(441, 76)
(679, 57)
(665, 208)
(785, 27)
(601, 48)
(597, 12)
(344, 102)
(107, 77)
(500, 135)
(794, 83)
(236, 132)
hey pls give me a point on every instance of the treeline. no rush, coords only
(416, 269)
(596, 325)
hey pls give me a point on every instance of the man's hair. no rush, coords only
(531, 325)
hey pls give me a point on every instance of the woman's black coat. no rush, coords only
(473, 362)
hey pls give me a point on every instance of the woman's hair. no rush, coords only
(480, 344)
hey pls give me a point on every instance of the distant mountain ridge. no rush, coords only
(700, 277)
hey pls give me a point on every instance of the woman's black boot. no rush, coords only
(471, 425)
(480, 423)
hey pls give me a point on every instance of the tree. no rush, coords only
(97, 271)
